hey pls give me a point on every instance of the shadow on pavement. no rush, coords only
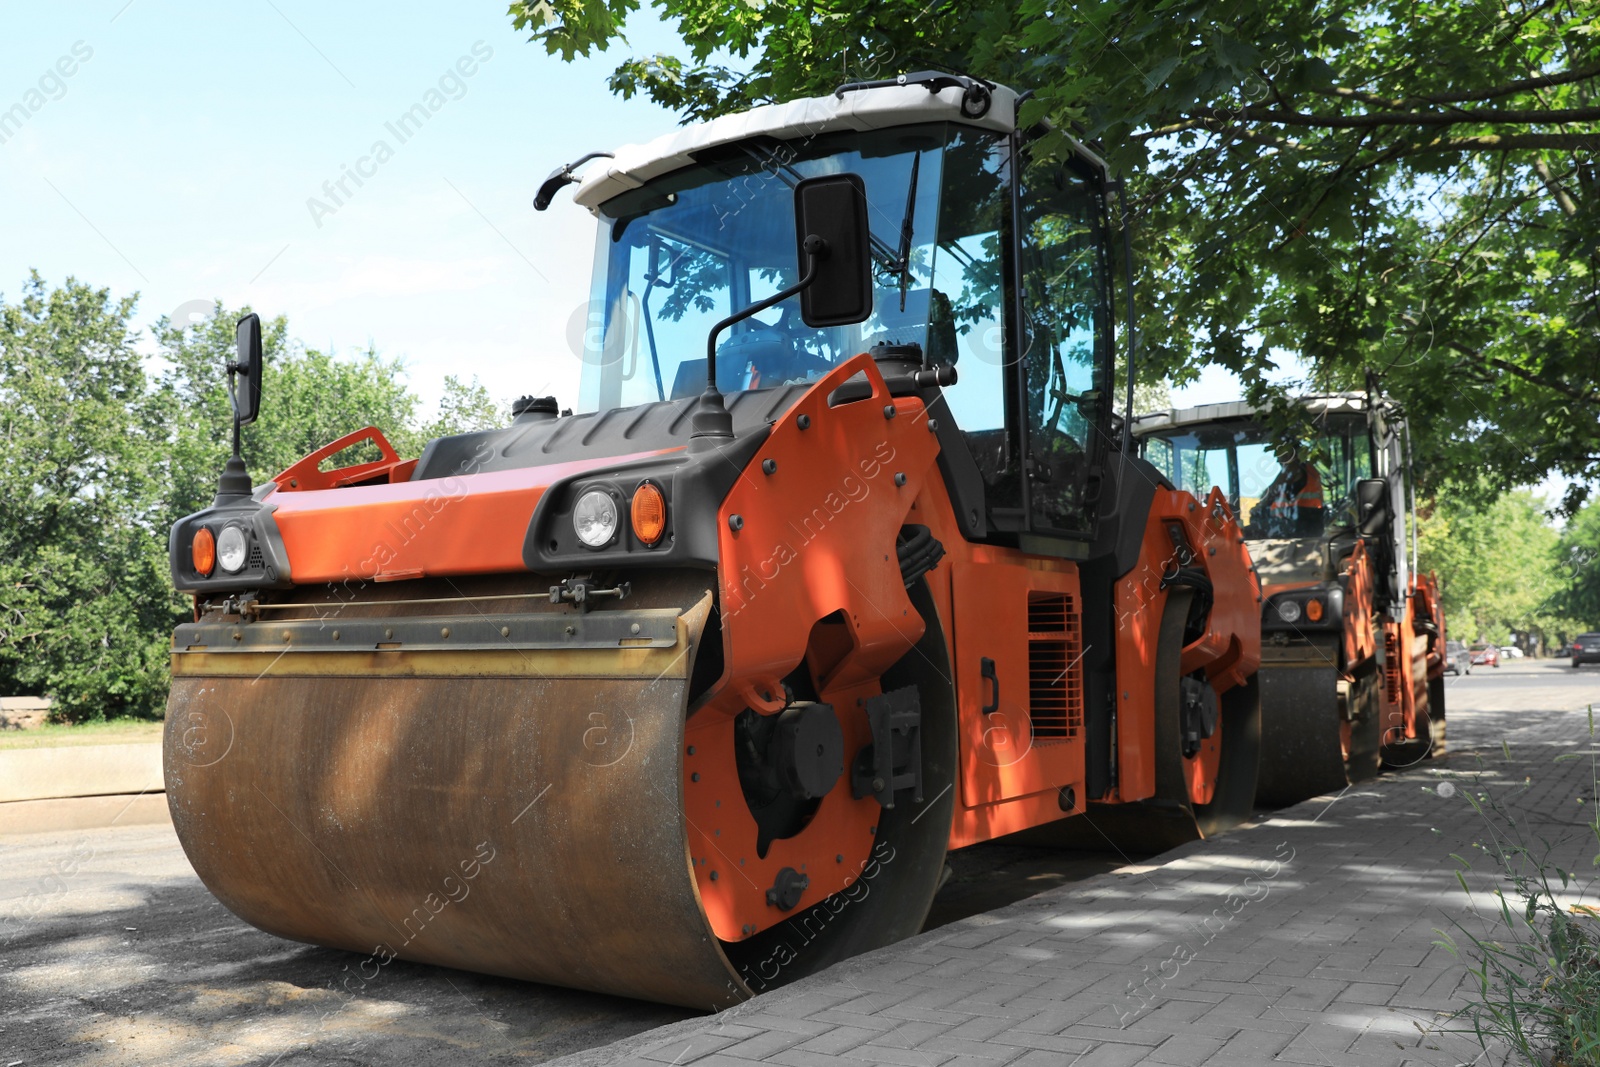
(178, 979)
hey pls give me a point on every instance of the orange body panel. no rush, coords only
(733, 877)
(1229, 651)
(1425, 589)
(1003, 755)
(814, 540)
(462, 524)
(1360, 637)
(817, 536)
(1007, 781)
(1405, 681)
(1010, 781)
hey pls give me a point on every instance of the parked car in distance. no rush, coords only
(1457, 660)
(1485, 656)
(1511, 652)
(1585, 649)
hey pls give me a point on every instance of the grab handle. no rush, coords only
(987, 670)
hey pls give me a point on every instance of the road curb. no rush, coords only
(83, 813)
(80, 771)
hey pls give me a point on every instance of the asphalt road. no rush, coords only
(111, 951)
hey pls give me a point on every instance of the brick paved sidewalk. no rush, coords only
(1307, 938)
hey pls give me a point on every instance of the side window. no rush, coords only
(686, 289)
(1349, 461)
(1066, 319)
(1258, 469)
(1158, 450)
(966, 305)
(1203, 468)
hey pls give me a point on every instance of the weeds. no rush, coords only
(1536, 972)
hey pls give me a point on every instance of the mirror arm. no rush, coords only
(711, 421)
(234, 484)
(234, 370)
(816, 249)
(563, 176)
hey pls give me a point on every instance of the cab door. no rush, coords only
(1065, 346)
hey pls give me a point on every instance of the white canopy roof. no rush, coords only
(1320, 404)
(860, 109)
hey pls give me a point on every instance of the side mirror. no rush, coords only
(246, 393)
(834, 208)
(1372, 506)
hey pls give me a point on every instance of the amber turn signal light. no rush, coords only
(1314, 610)
(649, 513)
(203, 552)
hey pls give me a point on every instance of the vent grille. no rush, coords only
(1047, 614)
(1055, 668)
(1392, 678)
(256, 561)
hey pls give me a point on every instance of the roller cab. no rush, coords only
(839, 564)
(1352, 649)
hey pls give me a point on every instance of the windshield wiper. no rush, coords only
(786, 173)
(650, 333)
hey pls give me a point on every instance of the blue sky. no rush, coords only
(180, 158)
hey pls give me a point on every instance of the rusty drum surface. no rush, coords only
(510, 806)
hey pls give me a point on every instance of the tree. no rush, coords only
(1500, 574)
(85, 602)
(1579, 556)
(1373, 186)
(309, 398)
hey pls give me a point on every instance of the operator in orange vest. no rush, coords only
(1294, 499)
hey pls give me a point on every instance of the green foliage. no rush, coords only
(98, 458)
(1579, 556)
(309, 399)
(1373, 186)
(463, 407)
(1536, 970)
(1500, 572)
(84, 600)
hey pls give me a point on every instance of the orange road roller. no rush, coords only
(841, 560)
(1353, 641)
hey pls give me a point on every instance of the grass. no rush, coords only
(114, 732)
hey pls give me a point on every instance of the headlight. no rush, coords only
(595, 518)
(232, 549)
(1288, 610)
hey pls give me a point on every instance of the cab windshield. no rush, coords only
(1278, 489)
(692, 247)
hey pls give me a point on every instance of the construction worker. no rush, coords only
(1294, 499)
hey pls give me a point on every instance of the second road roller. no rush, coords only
(1353, 632)
(840, 560)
